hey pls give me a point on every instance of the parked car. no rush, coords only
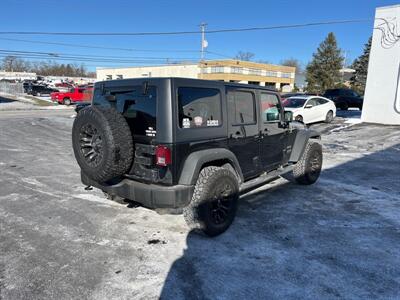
(191, 145)
(344, 98)
(72, 96)
(39, 90)
(311, 109)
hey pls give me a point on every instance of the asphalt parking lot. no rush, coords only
(338, 238)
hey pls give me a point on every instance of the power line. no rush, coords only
(186, 32)
(56, 54)
(98, 47)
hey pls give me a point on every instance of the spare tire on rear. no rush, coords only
(102, 143)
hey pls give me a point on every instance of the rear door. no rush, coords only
(274, 137)
(243, 130)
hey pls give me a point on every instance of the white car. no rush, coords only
(310, 109)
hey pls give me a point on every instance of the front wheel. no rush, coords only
(308, 168)
(214, 202)
(299, 119)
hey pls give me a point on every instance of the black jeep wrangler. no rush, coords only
(191, 145)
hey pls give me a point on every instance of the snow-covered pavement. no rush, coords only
(338, 238)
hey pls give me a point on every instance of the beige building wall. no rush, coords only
(186, 71)
(223, 70)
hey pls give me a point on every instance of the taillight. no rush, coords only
(163, 156)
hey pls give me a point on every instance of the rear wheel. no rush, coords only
(214, 203)
(329, 117)
(67, 101)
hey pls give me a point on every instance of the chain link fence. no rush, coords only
(14, 89)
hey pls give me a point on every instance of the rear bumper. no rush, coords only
(149, 195)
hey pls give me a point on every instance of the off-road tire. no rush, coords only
(308, 168)
(201, 212)
(329, 117)
(114, 198)
(67, 101)
(111, 141)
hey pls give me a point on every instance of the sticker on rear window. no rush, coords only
(186, 123)
(198, 121)
(212, 123)
(150, 131)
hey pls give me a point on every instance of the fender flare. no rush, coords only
(300, 143)
(194, 162)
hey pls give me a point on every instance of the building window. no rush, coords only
(255, 72)
(120, 77)
(236, 70)
(271, 74)
(285, 75)
(217, 69)
(108, 77)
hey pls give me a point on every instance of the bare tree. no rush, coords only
(246, 56)
(293, 62)
(14, 64)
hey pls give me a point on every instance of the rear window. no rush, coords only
(139, 110)
(199, 107)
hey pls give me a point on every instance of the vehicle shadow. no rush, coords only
(337, 238)
(6, 100)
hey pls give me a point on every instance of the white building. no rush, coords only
(382, 93)
(17, 76)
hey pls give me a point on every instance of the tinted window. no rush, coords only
(139, 110)
(199, 107)
(244, 107)
(312, 102)
(322, 101)
(294, 102)
(270, 107)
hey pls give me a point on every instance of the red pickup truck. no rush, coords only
(72, 96)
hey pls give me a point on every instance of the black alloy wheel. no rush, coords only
(91, 145)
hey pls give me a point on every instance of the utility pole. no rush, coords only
(204, 43)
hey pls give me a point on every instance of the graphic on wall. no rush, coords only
(390, 29)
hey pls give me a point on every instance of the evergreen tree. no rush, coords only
(323, 72)
(360, 64)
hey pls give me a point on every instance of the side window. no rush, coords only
(199, 107)
(322, 101)
(244, 107)
(270, 107)
(312, 102)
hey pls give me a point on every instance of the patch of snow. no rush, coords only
(353, 121)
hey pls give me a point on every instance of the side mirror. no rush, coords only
(288, 116)
(308, 106)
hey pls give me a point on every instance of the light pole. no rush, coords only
(204, 43)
